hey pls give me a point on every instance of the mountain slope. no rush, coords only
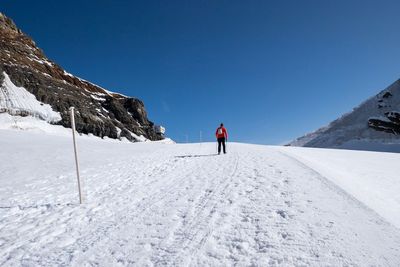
(375, 124)
(163, 205)
(100, 112)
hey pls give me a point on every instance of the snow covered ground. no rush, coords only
(373, 178)
(162, 204)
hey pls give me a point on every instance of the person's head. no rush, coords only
(222, 125)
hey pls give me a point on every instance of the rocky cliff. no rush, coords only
(100, 112)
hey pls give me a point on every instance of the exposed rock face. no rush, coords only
(389, 121)
(389, 124)
(375, 120)
(99, 111)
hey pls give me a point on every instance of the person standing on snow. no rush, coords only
(222, 137)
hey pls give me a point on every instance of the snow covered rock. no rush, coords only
(18, 101)
(159, 129)
(99, 111)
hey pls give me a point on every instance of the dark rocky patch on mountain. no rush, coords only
(99, 111)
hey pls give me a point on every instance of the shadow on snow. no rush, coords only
(196, 156)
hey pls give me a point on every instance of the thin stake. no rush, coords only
(71, 110)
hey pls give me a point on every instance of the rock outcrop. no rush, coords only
(389, 121)
(99, 111)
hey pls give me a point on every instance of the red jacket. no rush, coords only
(221, 133)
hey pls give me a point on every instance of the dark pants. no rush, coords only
(221, 141)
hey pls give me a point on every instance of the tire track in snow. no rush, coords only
(116, 218)
(195, 232)
(265, 223)
(134, 216)
(246, 179)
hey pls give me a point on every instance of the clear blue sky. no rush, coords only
(270, 70)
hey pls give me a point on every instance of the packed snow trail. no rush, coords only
(155, 204)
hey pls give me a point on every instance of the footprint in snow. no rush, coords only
(284, 235)
(282, 213)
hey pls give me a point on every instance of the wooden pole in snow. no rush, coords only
(72, 116)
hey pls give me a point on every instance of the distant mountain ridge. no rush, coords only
(23, 66)
(377, 120)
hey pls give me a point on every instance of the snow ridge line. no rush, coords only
(331, 185)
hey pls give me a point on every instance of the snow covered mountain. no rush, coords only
(33, 85)
(374, 125)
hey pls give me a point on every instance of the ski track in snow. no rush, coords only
(179, 205)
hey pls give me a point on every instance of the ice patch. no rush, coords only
(18, 101)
